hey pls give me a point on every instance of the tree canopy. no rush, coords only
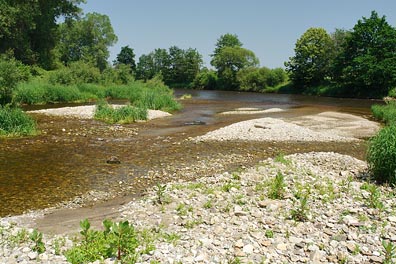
(367, 64)
(228, 58)
(310, 64)
(127, 57)
(86, 39)
(29, 28)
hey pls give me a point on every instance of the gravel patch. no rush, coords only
(252, 111)
(230, 217)
(270, 129)
(87, 112)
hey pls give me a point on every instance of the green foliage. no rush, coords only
(281, 159)
(381, 155)
(227, 40)
(300, 212)
(229, 61)
(120, 115)
(117, 240)
(205, 79)
(29, 28)
(269, 233)
(161, 197)
(368, 62)
(86, 39)
(11, 73)
(259, 79)
(177, 67)
(126, 57)
(37, 238)
(277, 187)
(310, 64)
(385, 113)
(77, 72)
(374, 197)
(15, 122)
(389, 252)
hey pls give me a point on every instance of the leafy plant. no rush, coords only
(37, 238)
(160, 192)
(300, 213)
(381, 155)
(15, 122)
(269, 233)
(276, 188)
(208, 204)
(281, 159)
(117, 240)
(229, 185)
(389, 251)
(374, 197)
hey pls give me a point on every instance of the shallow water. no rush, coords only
(69, 158)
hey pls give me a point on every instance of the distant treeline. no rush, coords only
(54, 37)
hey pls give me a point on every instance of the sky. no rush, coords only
(269, 28)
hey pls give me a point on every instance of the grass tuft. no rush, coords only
(15, 122)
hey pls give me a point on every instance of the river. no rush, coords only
(68, 158)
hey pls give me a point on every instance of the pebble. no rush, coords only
(245, 224)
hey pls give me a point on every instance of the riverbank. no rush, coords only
(88, 111)
(234, 216)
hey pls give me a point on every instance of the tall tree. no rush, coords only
(87, 39)
(228, 58)
(127, 57)
(310, 64)
(367, 65)
(227, 40)
(29, 28)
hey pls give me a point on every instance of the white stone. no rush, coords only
(248, 249)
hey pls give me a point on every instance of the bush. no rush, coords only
(15, 122)
(381, 155)
(76, 73)
(11, 73)
(120, 115)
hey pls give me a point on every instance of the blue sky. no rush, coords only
(268, 28)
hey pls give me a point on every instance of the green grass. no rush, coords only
(381, 155)
(122, 115)
(15, 122)
(385, 113)
(142, 95)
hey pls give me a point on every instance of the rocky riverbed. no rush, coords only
(233, 217)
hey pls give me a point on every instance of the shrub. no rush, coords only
(11, 73)
(121, 115)
(15, 122)
(381, 155)
(76, 73)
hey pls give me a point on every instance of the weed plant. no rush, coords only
(381, 155)
(385, 113)
(389, 252)
(121, 115)
(15, 122)
(118, 240)
(277, 187)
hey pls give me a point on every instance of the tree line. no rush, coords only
(55, 36)
(359, 63)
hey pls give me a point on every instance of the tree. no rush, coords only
(226, 40)
(367, 64)
(11, 73)
(127, 57)
(177, 67)
(29, 28)
(86, 39)
(152, 64)
(310, 64)
(229, 61)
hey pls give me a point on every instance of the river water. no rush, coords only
(68, 158)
